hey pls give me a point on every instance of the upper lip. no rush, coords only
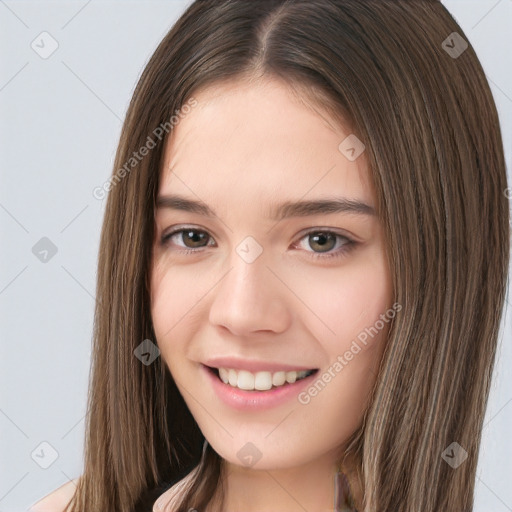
(252, 365)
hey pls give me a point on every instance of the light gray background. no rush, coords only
(60, 120)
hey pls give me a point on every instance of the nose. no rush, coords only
(250, 299)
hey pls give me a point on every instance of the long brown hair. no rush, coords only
(427, 117)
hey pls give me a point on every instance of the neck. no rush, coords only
(310, 486)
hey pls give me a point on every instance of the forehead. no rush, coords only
(256, 140)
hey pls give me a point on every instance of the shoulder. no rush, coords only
(170, 498)
(57, 500)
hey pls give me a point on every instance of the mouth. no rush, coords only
(259, 381)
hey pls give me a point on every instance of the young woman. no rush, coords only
(302, 268)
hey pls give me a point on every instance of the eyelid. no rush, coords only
(324, 229)
(315, 229)
(183, 227)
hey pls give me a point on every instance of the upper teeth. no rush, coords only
(261, 381)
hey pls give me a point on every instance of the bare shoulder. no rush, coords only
(171, 497)
(57, 500)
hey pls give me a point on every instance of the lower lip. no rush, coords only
(255, 400)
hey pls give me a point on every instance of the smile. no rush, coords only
(244, 395)
(261, 381)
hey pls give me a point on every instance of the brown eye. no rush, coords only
(193, 238)
(322, 242)
(187, 238)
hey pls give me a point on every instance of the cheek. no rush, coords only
(348, 302)
(356, 306)
(175, 302)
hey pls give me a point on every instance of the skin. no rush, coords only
(57, 500)
(243, 148)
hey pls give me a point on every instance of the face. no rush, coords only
(242, 283)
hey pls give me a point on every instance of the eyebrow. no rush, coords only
(279, 212)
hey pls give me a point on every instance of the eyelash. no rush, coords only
(340, 252)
